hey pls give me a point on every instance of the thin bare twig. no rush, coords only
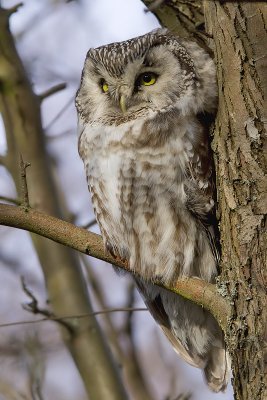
(34, 308)
(78, 316)
(52, 90)
(58, 115)
(11, 200)
(14, 8)
(24, 186)
(89, 224)
(183, 396)
(61, 134)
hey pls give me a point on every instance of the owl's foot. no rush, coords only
(110, 250)
(115, 255)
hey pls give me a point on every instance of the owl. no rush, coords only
(142, 108)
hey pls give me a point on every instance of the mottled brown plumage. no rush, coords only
(149, 169)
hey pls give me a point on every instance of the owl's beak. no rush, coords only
(123, 104)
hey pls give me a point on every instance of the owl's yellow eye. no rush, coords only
(104, 87)
(147, 79)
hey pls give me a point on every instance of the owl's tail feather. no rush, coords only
(217, 369)
(193, 332)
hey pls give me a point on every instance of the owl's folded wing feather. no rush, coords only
(212, 357)
(158, 312)
(200, 187)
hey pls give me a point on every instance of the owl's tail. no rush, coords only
(193, 332)
(217, 369)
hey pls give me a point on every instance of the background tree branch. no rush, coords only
(194, 289)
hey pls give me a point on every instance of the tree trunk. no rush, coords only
(239, 36)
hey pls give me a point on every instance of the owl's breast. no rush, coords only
(135, 198)
(124, 176)
(139, 201)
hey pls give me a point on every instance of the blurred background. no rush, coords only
(52, 37)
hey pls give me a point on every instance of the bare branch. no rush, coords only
(52, 90)
(11, 200)
(14, 9)
(24, 186)
(61, 112)
(34, 308)
(183, 396)
(194, 289)
(89, 224)
(78, 316)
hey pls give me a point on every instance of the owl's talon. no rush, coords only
(110, 250)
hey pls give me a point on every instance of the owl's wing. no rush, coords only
(192, 331)
(158, 312)
(200, 191)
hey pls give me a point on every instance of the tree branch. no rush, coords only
(11, 200)
(194, 289)
(24, 185)
(51, 317)
(14, 9)
(33, 307)
(52, 90)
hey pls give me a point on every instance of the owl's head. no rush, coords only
(153, 73)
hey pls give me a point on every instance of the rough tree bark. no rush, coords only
(238, 39)
(239, 34)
